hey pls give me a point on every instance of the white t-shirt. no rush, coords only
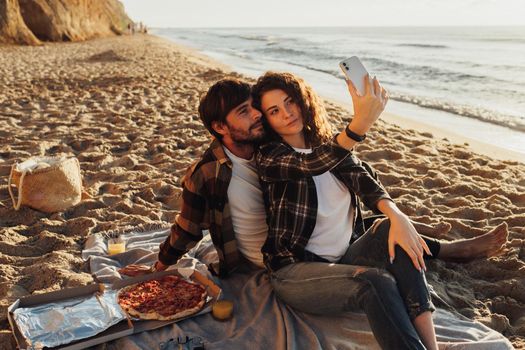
(333, 227)
(247, 208)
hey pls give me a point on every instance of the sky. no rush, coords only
(313, 13)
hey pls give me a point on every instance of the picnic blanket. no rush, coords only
(261, 320)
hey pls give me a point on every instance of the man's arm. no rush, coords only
(189, 223)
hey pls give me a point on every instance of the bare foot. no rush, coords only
(484, 246)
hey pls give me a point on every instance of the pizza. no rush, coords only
(167, 298)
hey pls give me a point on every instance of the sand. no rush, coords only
(126, 107)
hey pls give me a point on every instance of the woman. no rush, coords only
(312, 186)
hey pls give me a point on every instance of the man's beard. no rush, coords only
(249, 137)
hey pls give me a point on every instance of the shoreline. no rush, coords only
(443, 135)
(476, 146)
(126, 107)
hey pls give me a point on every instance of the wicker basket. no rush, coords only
(48, 184)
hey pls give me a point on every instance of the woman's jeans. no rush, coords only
(364, 280)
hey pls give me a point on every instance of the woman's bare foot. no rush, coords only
(484, 246)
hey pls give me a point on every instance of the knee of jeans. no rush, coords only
(381, 227)
(378, 277)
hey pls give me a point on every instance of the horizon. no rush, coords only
(361, 26)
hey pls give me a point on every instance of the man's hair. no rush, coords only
(316, 129)
(220, 99)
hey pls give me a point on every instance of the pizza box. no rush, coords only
(146, 325)
(121, 329)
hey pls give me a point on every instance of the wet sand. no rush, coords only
(127, 108)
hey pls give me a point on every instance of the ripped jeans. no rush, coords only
(363, 280)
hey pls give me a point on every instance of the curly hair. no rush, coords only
(317, 128)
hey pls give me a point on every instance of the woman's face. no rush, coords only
(283, 114)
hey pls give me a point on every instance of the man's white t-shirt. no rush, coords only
(333, 228)
(247, 208)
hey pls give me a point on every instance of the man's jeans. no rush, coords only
(363, 280)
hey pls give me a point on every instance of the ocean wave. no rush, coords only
(483, 114)
(427, 46)
(263, 38)
(423, 71)
(335, 73)
(503, 40)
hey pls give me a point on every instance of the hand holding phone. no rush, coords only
(369, 99)
(356, 72)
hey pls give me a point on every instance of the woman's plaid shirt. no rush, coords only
(291, 198)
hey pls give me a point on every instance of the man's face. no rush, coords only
(244, 125)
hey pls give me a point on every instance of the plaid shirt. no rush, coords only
(205, 207)
(291, 198)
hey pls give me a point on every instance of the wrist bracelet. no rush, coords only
(354, 136)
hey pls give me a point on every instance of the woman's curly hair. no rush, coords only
(317, 128)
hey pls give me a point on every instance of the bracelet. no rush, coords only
(354, 136)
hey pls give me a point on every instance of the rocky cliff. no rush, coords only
(13, 30)
(60, 20)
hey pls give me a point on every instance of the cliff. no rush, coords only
(60, 20)
(13, 30)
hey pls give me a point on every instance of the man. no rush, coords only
(221, 191)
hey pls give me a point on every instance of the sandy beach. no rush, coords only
(126, 107)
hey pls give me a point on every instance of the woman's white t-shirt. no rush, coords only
(333, 228)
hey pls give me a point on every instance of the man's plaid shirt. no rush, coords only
(291, 199)
(205, 207)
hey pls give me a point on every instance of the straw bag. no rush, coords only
(48, 184)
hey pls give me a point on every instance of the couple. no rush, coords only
(278, 191)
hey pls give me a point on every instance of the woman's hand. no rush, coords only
(402, 232)
(368, 107)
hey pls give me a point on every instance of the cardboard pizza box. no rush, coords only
(122, 329)
(119, 330)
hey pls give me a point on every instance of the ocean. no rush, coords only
(471, 78)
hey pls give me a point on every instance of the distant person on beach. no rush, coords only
(221, 191)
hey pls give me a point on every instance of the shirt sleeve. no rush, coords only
(375, 176)
(360, 177)
(277, 161)
(186, 232)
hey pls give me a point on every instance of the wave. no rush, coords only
(379, 64)
(483, 114)
(428, 46)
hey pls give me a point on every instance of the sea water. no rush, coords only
(471, 79)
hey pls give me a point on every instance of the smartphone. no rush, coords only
(354, 71)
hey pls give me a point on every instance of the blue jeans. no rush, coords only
(391, 295)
